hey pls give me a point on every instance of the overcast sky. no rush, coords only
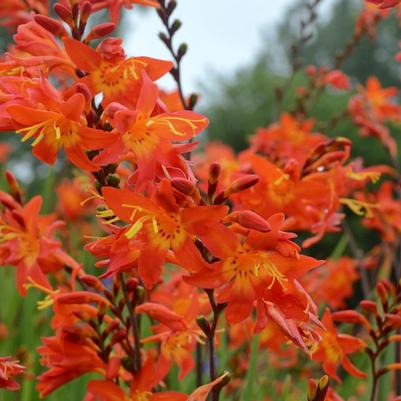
(222, 35)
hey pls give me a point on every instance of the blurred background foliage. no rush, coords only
(238, 105)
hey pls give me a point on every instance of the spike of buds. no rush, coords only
(53, 26)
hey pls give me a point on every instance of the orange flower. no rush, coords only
(386, 216)
(288, 139)
(8, 369)
(16, 12)
(333, 283)
(148, 136)
(334, 348)
(162, 225)
(110, 73)
(26, 241)
(60, 125)
(67, 356)
(251, 269)
(141, 389)
(372, 108)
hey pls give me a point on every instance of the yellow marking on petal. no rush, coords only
(170, 125)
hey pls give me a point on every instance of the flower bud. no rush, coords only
(80, 297)
(53, 26)
(63, 12)
(86, 10)
(15, 190)
(369, 306)
(214, 172)
(100, 30)
(351, 316)
(183, 185)
(243, 183)
(82, 88)
(92, 281)
(249, 219)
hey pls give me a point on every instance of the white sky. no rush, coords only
(222, 35)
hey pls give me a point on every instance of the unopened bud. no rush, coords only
(214, 172)
(80, 297)
(249, 219)
(139, 294)
(382, 291)
(100, 30)
(92, 281)
(118, 337)
(132, 284)
(86, 10)
(243, 183)
(369, 306)
(63, 12)
(113, 180)
(193, 99)
(183, 185)
(53, 26)
(15, 190)
(182, 50)
(175, 26)
(351, 316)
(82, 88)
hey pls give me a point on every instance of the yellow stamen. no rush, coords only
(358, 207)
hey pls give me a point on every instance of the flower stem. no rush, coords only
(210, 334)
(134, 324)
